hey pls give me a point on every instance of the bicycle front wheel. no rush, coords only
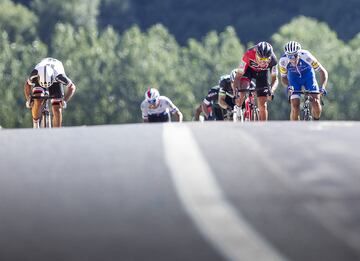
(45, 120)
(255, 115)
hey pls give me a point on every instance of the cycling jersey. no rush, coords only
(59, 77)
(225, 86)
(161, 112)
(301, 74)
(249, 61)
(212, 96)
(56, 90)
(252, 70)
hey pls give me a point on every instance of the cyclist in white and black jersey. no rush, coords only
(156, 108)
(226, 97)
(48, 75)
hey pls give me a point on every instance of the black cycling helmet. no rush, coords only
(264, 49)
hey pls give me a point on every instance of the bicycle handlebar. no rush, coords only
(305, 93)
(44, 97)
(252, 89)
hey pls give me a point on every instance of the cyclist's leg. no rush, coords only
(311, 85)
(263, 111)
(218, 112)
(262, 82)
(56, 90)
(244, 84)
(36, 108)
(295, 99)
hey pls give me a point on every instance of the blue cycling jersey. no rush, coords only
(301, 74)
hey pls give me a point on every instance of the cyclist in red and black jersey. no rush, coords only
(258, 63)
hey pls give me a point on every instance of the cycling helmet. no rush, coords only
(264, 49)
(233, 75)
(292, 48)
(46, 76)
(152, 95)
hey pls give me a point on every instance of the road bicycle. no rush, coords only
(305, 109)
(251, 111)
(45, 118)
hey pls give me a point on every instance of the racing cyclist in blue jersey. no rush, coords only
(297, 69)
(156, 108)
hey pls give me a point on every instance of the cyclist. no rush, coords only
(48, 75)
(297, 69)
(156, 108)
(219, 99)
(257, 63)
(226, 98)
(209, 106)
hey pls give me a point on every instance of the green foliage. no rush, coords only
(79, 13)
(89, 60)
(112, 71)
(17, 60)
(18, 21)
(204, 62)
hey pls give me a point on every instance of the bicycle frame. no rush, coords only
(305, 110)
(251, 112)
(45, 114)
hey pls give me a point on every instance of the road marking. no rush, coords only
(219, 222)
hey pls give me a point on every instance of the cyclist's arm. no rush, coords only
(284, 81)
(70, 86)
(144, 111)
(205, 109)
(198, 111)
(27, 90)
(317, 67)
(69, 92)
(222, 102)
(323, 76)
(274, 79)
(29, 83)
(240, 72)
(178, 116)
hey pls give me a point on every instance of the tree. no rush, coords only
(204, 62)
(18, 21)
(90, 60)
(17, 60)
(79, 13)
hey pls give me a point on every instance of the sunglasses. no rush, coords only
(152, 102)
(292, 56)
(263, 59)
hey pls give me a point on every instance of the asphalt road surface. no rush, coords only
(191, 191)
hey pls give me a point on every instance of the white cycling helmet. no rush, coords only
(292, 48)
(152, 95)
(46, 76)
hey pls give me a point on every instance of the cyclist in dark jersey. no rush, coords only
(257, 63)
(219, 99)
(226, 94)
(209, 106)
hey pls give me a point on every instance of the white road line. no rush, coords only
(204, 201)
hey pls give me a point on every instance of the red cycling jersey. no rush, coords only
(249, 60)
